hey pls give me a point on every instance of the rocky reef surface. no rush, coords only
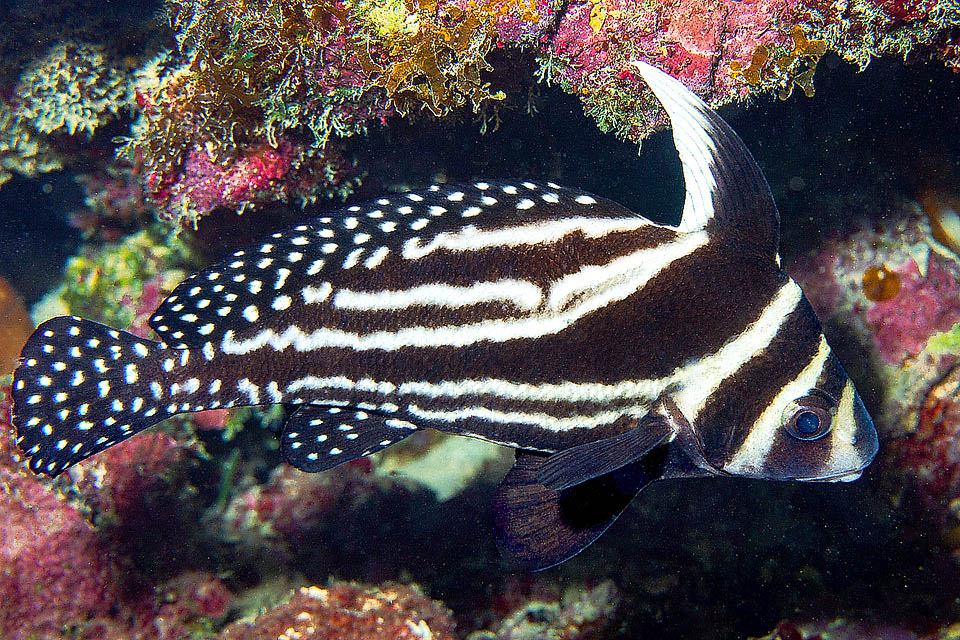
(129, 144)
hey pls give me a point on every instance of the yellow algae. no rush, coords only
(783, 69)
(598, 15)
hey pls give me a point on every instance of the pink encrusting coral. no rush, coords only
(60, 576)
(345, 611)
(702, 44)
(291, 503)
(261, 173)
(181, 607)
(723, 49)
(120, 482)
(115, 202)
(926, 304)
(53, 573)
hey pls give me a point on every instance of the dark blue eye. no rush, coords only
(807, 423)
(808, 418)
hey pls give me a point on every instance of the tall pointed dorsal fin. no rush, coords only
(725, 188)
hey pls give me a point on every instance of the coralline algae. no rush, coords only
(230, 115)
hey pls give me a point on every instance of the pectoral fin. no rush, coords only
(317, 438)
(578, 464)
(539, 527)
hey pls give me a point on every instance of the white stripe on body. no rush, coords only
(469, 238)
(689, 385)
(519, 293)
(700, 380)
(755, 449)
(596, 286)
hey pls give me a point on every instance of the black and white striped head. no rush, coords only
(774, 401)
(791, 412)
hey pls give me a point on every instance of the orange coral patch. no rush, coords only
(15, 326)
(880, 284)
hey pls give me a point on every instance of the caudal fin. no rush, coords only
(82, 387)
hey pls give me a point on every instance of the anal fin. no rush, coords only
(539, 527)
(316, 438)
(578, 464)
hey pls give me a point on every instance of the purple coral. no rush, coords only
(53, 573)
(120, 481)
(259, 174)
(59, 575)
(292, 502)
(926, 304)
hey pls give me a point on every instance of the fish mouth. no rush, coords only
(848, 476)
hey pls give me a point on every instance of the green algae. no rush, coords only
(946, 342)
(106, 283)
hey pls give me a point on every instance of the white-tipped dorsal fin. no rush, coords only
(725, 189)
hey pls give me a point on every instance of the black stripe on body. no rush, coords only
(737, 403)
(686, 312)
(308, 255)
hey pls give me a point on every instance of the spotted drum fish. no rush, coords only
(609, 350)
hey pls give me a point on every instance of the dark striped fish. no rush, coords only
(610, 351)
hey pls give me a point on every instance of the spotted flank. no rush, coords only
(609, 350)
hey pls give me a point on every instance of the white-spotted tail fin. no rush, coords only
(82, 387)
(725, 188)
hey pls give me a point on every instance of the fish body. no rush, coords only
(609, 350)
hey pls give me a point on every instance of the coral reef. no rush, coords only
(46, 541)
(121, 283)
(579, 614)
(244, 103)
(118, 485)
(115, 203)
(907, 333)
(73, 89)
(260, 174)
(221, 128)
(725, 49)
(61, 576)
(928, 460)
(865, 29)
(345, 611)
(292, 504)
(783, 69)
(250, 107)
(897, 290)
(23, 151)
(594, 41)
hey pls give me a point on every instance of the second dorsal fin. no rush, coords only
(725, 189)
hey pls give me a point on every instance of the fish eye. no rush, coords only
(810, 417)
(807, 423)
